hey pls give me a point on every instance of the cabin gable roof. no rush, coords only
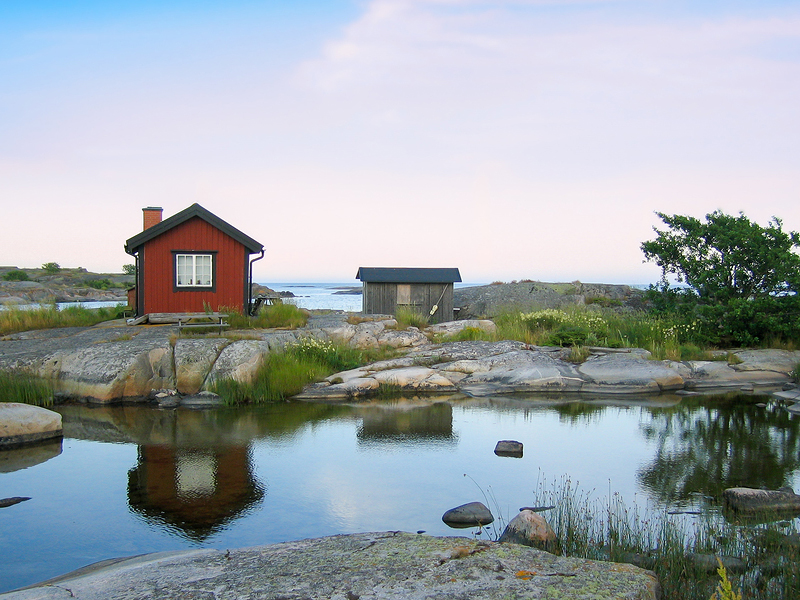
(195, 210)
(407, 275)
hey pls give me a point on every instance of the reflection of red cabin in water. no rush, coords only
(189, 262)
(196, 490)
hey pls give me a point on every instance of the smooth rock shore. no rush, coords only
(112, 363)
(365, 566)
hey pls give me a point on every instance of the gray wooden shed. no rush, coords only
(424, 290)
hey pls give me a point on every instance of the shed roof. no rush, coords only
(408, 275)
(195, 210)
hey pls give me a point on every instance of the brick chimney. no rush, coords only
(152, 216)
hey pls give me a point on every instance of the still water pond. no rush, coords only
(130, 479)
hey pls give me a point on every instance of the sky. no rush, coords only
(518, 139)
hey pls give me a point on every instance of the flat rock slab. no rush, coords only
(26, 424)
(369, 566)
(750, 500)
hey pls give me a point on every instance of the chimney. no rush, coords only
(152, 216)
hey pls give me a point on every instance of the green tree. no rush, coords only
(129, 269)
(743, 279)
(727, 257)
(51, 268)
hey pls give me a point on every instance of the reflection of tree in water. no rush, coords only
(579, 412)
(709, 444)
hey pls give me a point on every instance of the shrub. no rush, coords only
(568, 335)
(25, 388)
(129, 269)
(98, 284)
(16, 275)
(51, 268)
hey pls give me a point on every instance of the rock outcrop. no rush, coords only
(380, 566)
(111, 362)
(487, 301)
(488, 368)
(530, 529)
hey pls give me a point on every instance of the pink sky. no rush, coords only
(510, 139)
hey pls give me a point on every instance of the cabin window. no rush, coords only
(194, 270)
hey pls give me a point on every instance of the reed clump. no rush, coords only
(16, 386)
(669, 544)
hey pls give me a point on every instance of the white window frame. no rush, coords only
(192, 270)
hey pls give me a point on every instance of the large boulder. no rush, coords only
(26, 424)
(530, 529)
(194, 358)
(113, 370)
(383, 566)
(240, 361)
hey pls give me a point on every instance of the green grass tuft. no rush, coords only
(408, 317)
(25, 388)
(274, 316)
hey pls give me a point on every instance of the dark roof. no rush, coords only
(195, 210)
(407, 275)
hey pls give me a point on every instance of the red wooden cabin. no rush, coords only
(190, 262)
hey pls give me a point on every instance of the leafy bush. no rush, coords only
(99, 284)
(51, 268)
(16, 275)
(129, 269)
(568, 335)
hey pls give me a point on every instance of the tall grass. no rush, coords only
(596, 326)
(13, 320)
(282, 315)
(25, 388)
(408, 317)
(284, 374)
(587, 527)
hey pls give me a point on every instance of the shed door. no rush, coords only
(404, 294)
